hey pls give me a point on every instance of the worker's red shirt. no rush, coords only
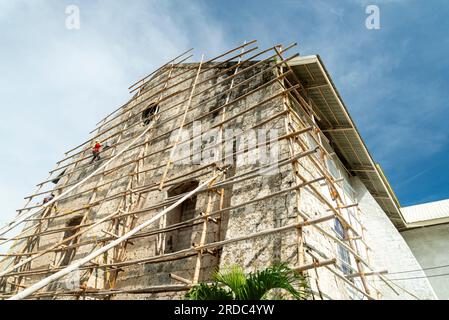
(97, 147)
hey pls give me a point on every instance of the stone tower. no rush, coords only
(249, 158)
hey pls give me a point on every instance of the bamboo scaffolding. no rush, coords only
(252, 173)
(340, 201)
(30, 290)
(30, 243)
(196, 119)
(92, 199)
(329, 178)
(214, 126)
(181, 82)
(274, 117)
(30, 214)
(128, 220)
(347, 225)
(168, 88)
(161, 288)
(339, 206)
(181, 126)
(295, 167)
(299, 120)
(180, 253)
(200, 104)
(235, 179)
(189, 222)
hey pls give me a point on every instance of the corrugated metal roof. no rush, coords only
(339, 128)
(438, 210)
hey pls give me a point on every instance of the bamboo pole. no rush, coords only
(197, 270)
(315, 264)
(160, 68)
(299, 232)
(156, 77)
(181, 126)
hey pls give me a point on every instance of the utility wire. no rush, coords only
(423, 277)
(416, 270)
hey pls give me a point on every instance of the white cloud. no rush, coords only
(57, 83)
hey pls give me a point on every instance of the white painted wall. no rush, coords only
(389, 249)
(430, 247)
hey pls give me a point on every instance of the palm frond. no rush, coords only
(233, 277)
(204, 291)
(233, 284)
(279, 276)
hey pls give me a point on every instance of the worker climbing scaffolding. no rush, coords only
(49, 198)
(96, 151)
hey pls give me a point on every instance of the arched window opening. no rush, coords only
(72, 224)
(149, 112)
(55, 181)
(181, 238)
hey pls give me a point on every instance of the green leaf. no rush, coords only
(203, 291)
(234, 278)
(233, 284)
(278, 276)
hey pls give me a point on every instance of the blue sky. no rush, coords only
(56, 83)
